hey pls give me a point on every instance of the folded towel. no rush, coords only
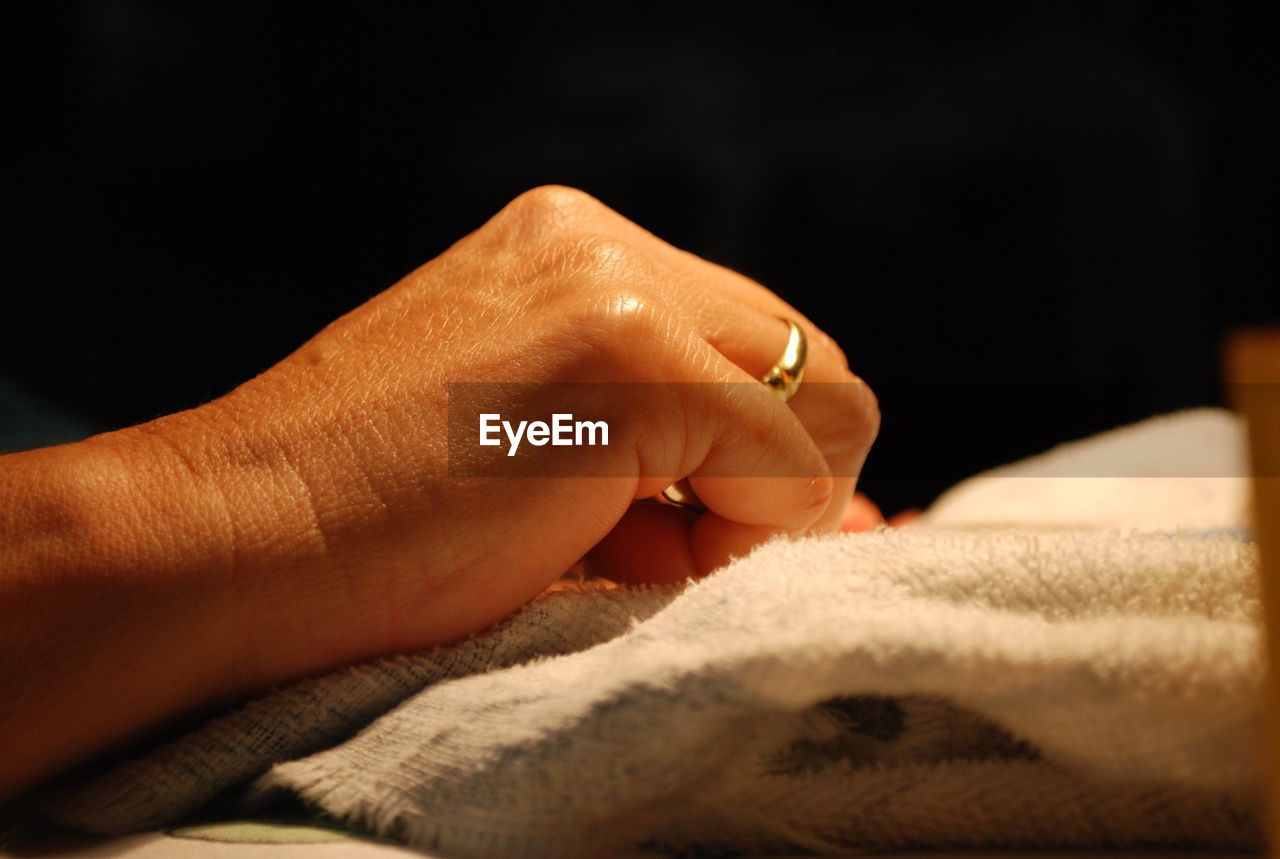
(1188, 470)
(923, 687)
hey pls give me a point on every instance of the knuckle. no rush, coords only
(588, 264)
(617, 315)
(537, 217)
(596, 254)
(854, 416)
(618, 325)
(828, 344)
(552, 203)
(561, 231)
(864, 410)
(870, 404)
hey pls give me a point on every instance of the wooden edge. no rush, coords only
(1253, 377)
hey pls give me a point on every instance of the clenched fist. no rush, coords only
(317, 514)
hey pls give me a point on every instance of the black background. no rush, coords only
(1023, 223)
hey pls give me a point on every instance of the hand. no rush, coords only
(308, 519)
(556, 288)
(862, 514)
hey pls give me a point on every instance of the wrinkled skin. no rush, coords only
(307, 519)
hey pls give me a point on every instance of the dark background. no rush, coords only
(1023, 224)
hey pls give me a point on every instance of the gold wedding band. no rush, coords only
(783, 379)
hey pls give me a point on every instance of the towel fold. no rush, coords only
(935, 687)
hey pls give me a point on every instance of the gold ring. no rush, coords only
(783, 379)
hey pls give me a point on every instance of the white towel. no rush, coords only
(1187, 470)
(926, 687)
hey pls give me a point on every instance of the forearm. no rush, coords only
(129, 590)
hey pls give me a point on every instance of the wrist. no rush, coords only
(229, 495)
(295, 518)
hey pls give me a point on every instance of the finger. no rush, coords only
(742, 321)
(759, 465)
(657, 544)
(746, 454)
(860, 514)
(716, 541)
(830, 520)
(835, 407)
(906, 518)
(750, 460)
(651, 544)
(738, 317)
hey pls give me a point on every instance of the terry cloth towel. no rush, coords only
(928, 687)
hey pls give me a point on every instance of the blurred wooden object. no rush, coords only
(1253, 371)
